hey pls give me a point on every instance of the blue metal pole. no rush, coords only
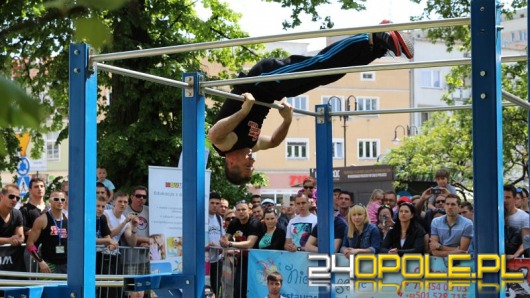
(487, 132)
(324, 163)
(82, 174)
(194, 162)
(528, 84)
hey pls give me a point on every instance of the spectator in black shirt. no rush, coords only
(244, 230)
(11, 231)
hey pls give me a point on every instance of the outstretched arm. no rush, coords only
(222, 133)
(266, 142)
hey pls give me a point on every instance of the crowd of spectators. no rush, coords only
(437, 222)
(42, 226)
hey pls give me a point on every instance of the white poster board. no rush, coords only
(165, 217)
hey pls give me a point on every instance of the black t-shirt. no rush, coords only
(49, 237)
(102, 227)
(7, 229)
(339, 226)
(30, 213)
(240, 232)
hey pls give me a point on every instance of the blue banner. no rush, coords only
(293, 266)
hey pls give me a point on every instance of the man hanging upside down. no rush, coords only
(236, 133)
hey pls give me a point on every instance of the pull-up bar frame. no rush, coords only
(279, 37)
(82, 163)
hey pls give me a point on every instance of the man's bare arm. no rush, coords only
(266, 142)
(220, 134)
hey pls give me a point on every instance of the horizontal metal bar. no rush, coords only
(25, 283)
(141, 75)
(516, 100)
(409, 110)
(55, 276)
(279, 37)
(351, 69)
(232, 96)
(174, 83)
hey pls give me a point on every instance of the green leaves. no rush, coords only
(92, 31)
(20, 110)
(103, 4)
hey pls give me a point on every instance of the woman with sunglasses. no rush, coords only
(229, 216)
(271, 237)
(407, 236)
(362, 236)
(309, 189)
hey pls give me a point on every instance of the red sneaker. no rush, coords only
(405, 45)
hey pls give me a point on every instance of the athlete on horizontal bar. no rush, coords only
(236, 133)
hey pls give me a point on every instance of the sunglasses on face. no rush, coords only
(230, 218)
(140, 196)
(58, 199)
(12, 197)
(440, 201)
(308, 187)
(241, 202)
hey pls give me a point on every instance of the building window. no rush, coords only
(334, 101)
(298, 102)
(430, 79)
(368, 149)
(367, 103)
(338, 149)
(368, 76)
(425, 116)
(53, 151)
(297, 149)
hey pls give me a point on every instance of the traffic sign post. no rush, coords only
(23, 185)
(23, 167)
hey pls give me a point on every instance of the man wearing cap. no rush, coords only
(267, 203)
(215, 232)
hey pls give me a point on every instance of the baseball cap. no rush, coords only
(267, 202)
(404, 199)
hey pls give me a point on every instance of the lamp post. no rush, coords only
(344, 118)
(408, 131)
(347, 108)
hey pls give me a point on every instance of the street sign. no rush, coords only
(23, 185)
(23, 166)
(23, 140)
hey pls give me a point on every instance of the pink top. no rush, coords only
(372, 211)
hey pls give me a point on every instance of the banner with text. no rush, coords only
(165, 218)
(294, 269)
(12, 258)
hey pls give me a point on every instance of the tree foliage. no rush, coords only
(446, 139)
(142, 124)
(455, 9)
